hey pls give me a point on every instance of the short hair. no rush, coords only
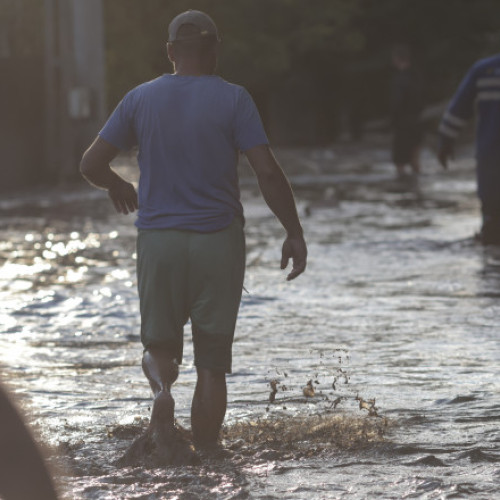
(195, 46)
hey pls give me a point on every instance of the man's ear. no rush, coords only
(171, 52)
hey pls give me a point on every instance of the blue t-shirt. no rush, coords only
(189, 130)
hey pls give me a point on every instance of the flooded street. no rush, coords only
(398, 305)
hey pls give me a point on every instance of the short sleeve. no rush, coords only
(248, 128)
(119, 129)
(461, 106)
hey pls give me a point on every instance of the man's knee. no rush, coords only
(212, 351)
(160, 363)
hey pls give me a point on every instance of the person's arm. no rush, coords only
(446, 149)
(455, 118)
(96, 170)
(278, 195)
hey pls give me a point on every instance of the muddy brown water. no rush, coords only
(394, 326)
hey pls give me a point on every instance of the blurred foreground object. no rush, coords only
(480, 87)
(23, 473)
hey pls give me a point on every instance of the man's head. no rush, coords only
(401, 56)
(192, 42)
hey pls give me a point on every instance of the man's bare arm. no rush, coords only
(95, 168)
(279, 197)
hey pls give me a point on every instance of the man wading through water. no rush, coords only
(189, 127)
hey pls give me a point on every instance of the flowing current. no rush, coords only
(376, 374)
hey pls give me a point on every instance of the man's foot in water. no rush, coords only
(162, 444)
(162, 416)
(215, 452)
(212, 451)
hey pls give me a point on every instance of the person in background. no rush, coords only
(406, 108)
(479, 89)
(190, 127)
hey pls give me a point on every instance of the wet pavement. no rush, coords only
(374, 375)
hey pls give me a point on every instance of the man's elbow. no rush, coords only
(89, 165)
(96, 159)
(85, 166)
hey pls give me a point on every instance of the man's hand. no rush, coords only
(295, 249)
(124, 197)
(445, 151)
(279, 197)
(95, 168)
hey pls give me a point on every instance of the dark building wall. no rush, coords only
(74, 81)
(51, 88)
(22, 149)
(21, 122)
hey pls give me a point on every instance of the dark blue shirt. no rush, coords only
(189, 130)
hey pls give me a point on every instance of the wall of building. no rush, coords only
(21, 122)
(52, 99)
(74, 81)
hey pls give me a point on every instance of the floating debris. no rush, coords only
(274, 390)
(336, 402)
(308, 390)
(368, 405)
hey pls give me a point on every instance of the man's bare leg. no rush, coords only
(415, 161)
(162, 443)
(162, 370)
(209, 406)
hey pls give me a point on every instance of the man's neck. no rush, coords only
(187, 69)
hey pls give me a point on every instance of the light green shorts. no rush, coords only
(188, 275)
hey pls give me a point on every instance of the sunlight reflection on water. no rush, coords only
(394, 293)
